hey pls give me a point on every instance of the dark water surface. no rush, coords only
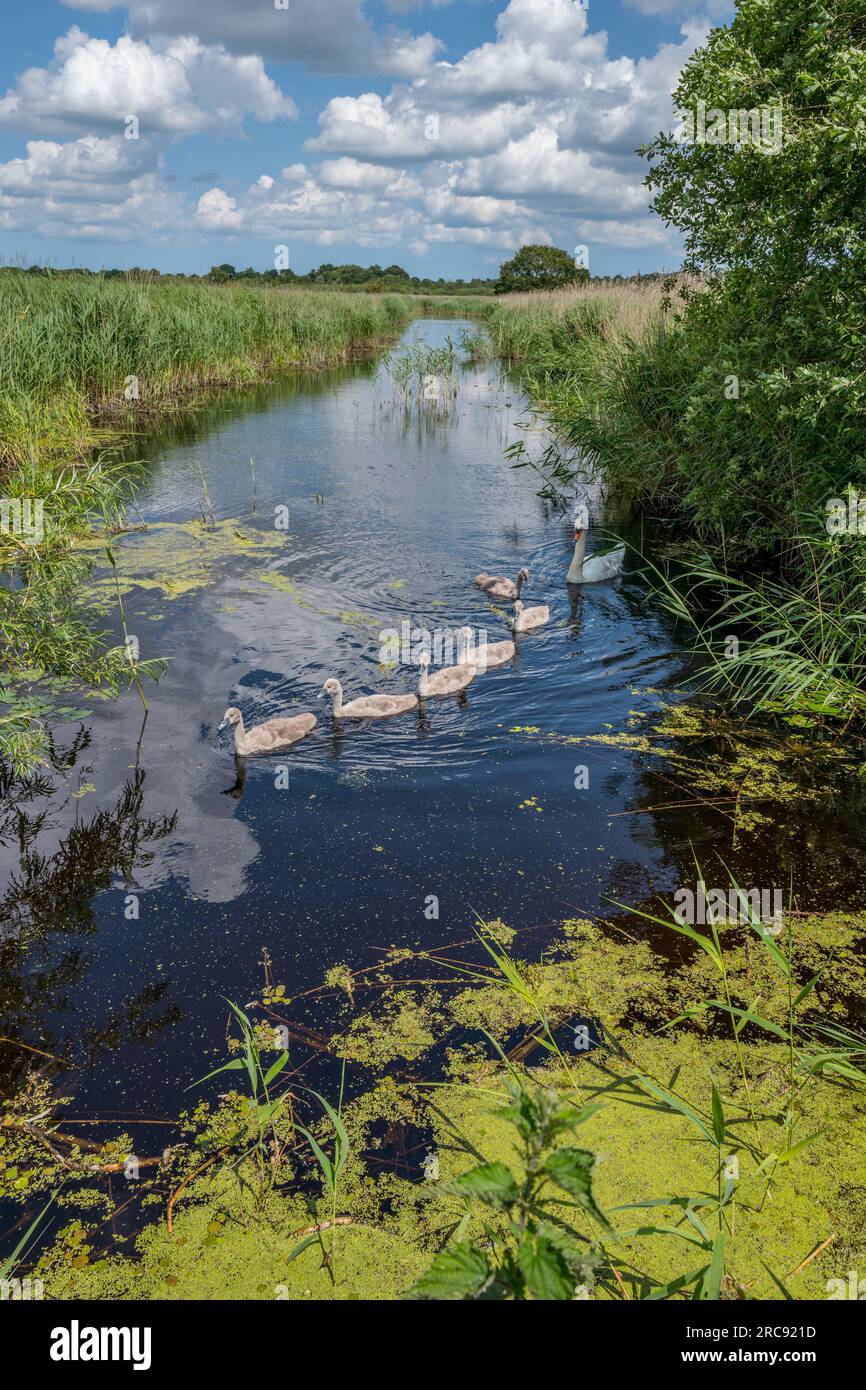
(390, 517)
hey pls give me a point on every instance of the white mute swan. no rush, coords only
(485, 654)
(269, 737)
(497, 586)
(525, 619)
(597, 567)
(445, 682)
(368, 706)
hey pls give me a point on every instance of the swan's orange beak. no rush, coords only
(577, 535)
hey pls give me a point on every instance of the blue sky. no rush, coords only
(439, 134)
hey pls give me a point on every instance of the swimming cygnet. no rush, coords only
(367, 706)
(445, 682)
(497, 586)
(486, 654)
(525, 619)
(269, 737)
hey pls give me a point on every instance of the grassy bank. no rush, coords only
(598, 360)
(683, 423)
(607, 364)
(741, 454)
(76, 351)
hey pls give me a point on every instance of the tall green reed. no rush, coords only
(269, 1141)
(331, 1169)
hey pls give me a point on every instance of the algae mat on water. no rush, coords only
(177, 558)
(743, 770)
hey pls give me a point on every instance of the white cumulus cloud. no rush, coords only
(179, 87)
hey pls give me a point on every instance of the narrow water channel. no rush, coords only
(153, 872)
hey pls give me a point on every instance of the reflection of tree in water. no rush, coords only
(51, 896)
(16, 792)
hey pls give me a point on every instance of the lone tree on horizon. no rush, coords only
(539, 268)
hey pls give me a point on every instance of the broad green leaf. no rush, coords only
(674, 1101)
(276, 1068)
(491, 1183)
(241, 1017)
(682, 928)
(676, 1285)
(236, 1065)
(9, 1264)
(299, 1249)
(807, 989)
(761, 931)
(323, 1160)
(788, 1154)
(265, 1113)
(695, 1221)
(460, 1272)
(342, 1146)
(693, 1203)
(745, 1016)
(545, 1270)
(572, 1169)
(689, 1236)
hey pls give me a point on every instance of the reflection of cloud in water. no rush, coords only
(212, 848)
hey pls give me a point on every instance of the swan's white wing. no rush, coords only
(615, 560)
(600, 567)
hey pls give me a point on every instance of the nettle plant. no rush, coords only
(529, 1250)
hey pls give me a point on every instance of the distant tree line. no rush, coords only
(532, 268)
(374, 279)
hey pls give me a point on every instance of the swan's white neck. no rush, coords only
(424, 681)
(337, 699)
(575, 569)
